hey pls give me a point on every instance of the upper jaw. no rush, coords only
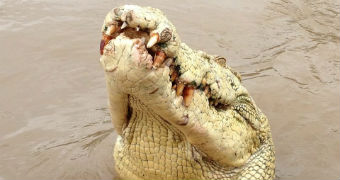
(126, 27)
(130, 49)
(128, 63)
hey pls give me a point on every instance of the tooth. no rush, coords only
(124, 25)
(159, 58)
(207, 91)
(111, 30)
(180, 88)
(137, 28)
(153, 40)
(204, 81)
(167, 62)
(188, 94)
(173, 76)
(171, 70)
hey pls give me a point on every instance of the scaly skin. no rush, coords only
(217, 133)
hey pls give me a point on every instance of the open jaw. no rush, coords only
(146, 50)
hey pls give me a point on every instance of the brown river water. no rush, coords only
(54, 122)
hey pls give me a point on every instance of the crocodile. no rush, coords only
(179, 113)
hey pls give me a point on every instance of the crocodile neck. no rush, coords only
(150, 148)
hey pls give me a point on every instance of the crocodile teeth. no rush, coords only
(137, 28)
(124, 25)
(153, 40)
(111, 30)
(204, 82)
(174, 76)
(159, 59)
(207, 91)
(171, 70)
(167, 62)
(188, 94)
(180, 88)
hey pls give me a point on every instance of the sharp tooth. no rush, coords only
(174, 86)
(204, 82)
(188, 94)
(167, 62)
(159, 58)
(171, 70)
(174, 76)
(111, 30)
(137, 28)
(180, 88)
(207, 91)
(124, 25)
(153, 40)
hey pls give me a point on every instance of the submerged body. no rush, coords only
(179, 113)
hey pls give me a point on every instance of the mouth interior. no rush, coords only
(131, 33)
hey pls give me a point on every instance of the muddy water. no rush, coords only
(53, 117)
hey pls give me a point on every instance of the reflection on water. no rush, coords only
(54, 122)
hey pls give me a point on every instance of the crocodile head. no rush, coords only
(178, 108)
